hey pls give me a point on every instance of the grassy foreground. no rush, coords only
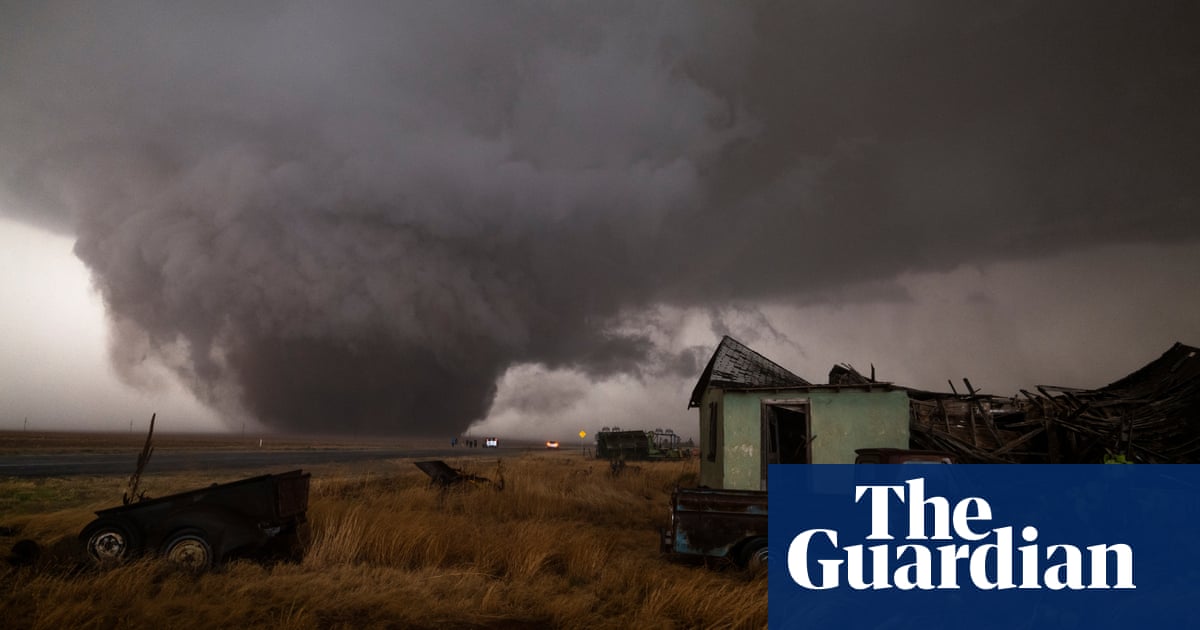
(565, 544)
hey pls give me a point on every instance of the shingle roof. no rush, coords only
(733, 365)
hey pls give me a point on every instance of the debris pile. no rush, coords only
(1150, 416)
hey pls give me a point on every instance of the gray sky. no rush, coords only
(411, 217)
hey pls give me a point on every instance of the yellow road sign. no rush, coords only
(582, 434)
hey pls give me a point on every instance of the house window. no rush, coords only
(712, 431)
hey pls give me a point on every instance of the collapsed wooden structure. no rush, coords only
(1150, 416)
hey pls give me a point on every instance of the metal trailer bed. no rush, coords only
(201, 527)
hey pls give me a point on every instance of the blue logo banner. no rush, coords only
(983, 546)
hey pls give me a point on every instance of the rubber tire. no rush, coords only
(753, 555)
(110, 540)
(189, 549)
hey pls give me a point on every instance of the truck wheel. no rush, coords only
(110, 540)
(753, 555)
(189, 549)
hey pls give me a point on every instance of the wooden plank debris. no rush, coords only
(1150, 416)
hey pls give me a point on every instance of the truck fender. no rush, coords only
(750, 553)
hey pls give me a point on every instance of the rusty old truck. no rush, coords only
(198, 528)
(712, 523)
(732, 524)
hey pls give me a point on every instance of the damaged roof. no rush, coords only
(1177, 368)
(1151, 415)
(734, 365)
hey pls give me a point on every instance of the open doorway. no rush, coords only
(786, 434)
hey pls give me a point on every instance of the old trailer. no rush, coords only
(198, 528)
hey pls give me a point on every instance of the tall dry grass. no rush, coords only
(565, 544)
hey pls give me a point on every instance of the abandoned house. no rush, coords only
(754, 412)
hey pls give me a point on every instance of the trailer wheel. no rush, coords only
(189, 549)
(110, 540)
(753, 555)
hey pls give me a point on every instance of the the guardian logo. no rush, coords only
(974, 553)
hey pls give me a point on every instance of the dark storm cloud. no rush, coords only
(356, 217)
(920, 135)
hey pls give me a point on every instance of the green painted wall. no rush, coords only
(841, 420)
(742, 449)
(848, 420)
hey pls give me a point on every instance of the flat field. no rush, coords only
(27, 442)
(564, 544)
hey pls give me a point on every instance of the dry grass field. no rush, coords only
(565, 544)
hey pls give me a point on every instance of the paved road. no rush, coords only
(65, 464)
